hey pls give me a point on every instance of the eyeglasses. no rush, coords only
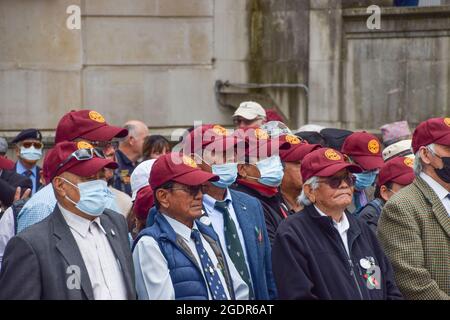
(192, 190)
(81, 155)
(335, 182)
(36, 145)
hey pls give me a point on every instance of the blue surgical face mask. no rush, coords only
(227, 173)
(365, 179)
(271, 171)
(111, 202)
(93, 197)
(30, 153)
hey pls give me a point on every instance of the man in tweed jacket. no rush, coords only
(414, 227)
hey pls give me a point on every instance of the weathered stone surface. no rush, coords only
(159, 96)
(150, 7)
(33, 34)
(148, 41)
(37, 98)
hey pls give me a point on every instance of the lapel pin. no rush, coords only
(113, 233)
(365, 263)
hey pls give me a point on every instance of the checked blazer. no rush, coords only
(414, 230)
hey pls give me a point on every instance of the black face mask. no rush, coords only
(444, 172)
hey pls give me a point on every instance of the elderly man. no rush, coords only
(76, 125)
(364, 149)
(237, 218)
(179, 257)
(249, 115)
(324, 253)
(414, 227)
(394, 176)
(260, 174)
(292, 183)
(81, 251)
(129, 154)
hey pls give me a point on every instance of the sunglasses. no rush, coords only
(36, 145)
(192, 190)
(335, 182)
(82, 155)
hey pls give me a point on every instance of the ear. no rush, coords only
(309, 192)
(425, 155)
(384, 192)
(242, 170)
(58, 186)
(163, 198)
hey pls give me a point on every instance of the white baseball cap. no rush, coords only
(401, 148)
(250, 110)
(140, 176)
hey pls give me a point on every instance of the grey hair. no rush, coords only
(132, 129)
(418, 164)
(302, 198)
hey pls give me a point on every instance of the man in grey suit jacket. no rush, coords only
(81, 251)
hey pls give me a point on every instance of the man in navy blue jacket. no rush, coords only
(323, 253)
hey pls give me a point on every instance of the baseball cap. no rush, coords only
(140, 176)
(364, 149)
(398, 170)
(435, 130)
(143, 202)
(60, 154)
(87, 124)
(6, 164)
(250, 110)
(298, 148)
(400, 148)
(206, 134)
(178, 168)
(258, 144)
(325, 162)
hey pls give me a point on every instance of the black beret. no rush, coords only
(28, 134)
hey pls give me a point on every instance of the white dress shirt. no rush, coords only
(440, 191)
(216, 218)
(341, 226)
(6, 231)
(153, 279)
(102, 265)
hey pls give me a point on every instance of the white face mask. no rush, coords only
(30, 153)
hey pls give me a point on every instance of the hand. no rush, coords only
(25, 195)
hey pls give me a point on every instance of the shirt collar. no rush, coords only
(437, 188)
(79, 224)
(209, 201)
(20, 169)
(342, 225)
(179, 228)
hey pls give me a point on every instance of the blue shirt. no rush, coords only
(216, 218)
(20, 169)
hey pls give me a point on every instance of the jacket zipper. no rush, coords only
(352, 269)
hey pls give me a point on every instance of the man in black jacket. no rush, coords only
(324, 253)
